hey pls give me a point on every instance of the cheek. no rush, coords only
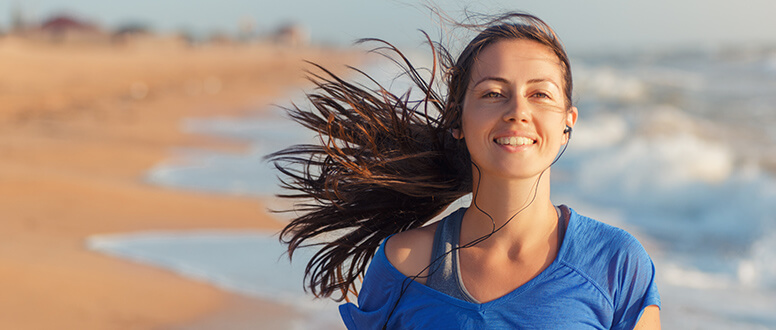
(474, 120)
(470, 126)
(551, 120)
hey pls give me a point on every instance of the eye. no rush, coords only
(492, 95)
(540, 95)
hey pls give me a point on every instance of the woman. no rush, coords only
(513, 260)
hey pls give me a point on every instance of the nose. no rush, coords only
(516, 110)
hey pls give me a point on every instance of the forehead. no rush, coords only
(513, 59)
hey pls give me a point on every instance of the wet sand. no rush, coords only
(80, 125)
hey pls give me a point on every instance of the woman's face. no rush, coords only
(514, 110)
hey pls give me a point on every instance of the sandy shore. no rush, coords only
(79, 128)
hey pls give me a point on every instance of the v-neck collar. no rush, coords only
(557, 263)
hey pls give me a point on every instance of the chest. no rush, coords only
(487, 277)
(558, 292)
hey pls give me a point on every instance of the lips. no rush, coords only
(514, 141)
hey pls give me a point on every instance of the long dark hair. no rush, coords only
(385, 163)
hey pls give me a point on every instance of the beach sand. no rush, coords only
(80, 125)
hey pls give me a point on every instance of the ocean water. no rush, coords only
(676, 147)
(250, 263)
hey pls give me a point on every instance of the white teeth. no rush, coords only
(514, 141)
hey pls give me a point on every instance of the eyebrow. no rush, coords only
(497, 79)
(540, 80)
(505, 81)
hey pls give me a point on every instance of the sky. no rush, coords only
(582, 24)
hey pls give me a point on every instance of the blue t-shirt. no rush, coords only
(602, 278)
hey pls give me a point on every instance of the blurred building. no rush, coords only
(291, 35)
(130, 32)
(63, 28)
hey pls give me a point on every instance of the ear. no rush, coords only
(571, 120)
(457, 133)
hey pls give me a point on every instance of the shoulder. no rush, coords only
(604, 253)
(410, 251)
(611, 257)
(607, 240)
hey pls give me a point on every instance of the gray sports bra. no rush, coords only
(445, 273)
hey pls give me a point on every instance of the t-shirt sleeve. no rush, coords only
(376, 297)
(635, 280)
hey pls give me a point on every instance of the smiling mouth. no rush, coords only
(514, 141)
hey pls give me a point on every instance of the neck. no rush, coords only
(520, 208)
